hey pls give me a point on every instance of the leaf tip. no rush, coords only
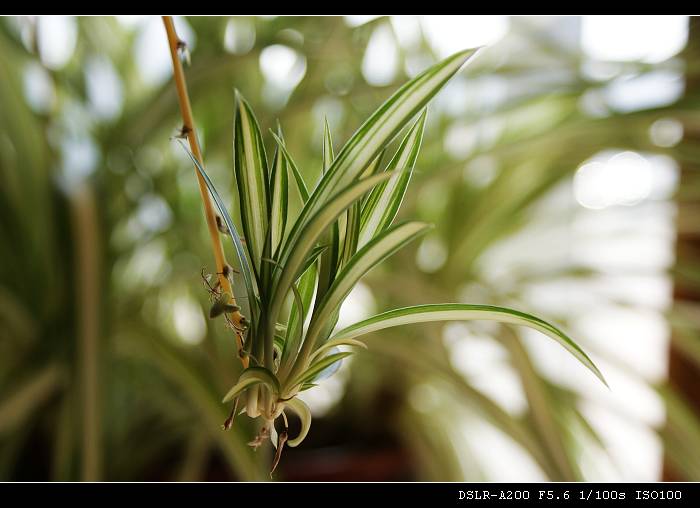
(467, 54)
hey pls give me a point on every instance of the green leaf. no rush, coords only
(309, 235)
(330, 370)
(391, 117)
(315, 253)
(465, 312)
(350, 226)
(279, 182)
(302, 410)
(316, 368)
(279, 342)
(352, 233)
(335, 343)
(371, 138)
(329, 260)
(327, 146)
(385, 123)
(250, 282)
(373, 168)
(369, 256)
(298, 178)
(239, 387)
(252, 179)
(298, 330)
(250, 377)
(306, 285)
(384, 202)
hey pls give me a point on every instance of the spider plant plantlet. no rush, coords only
(299, 268)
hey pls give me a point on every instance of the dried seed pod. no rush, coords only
(221, 226)
(184, 52)
(228, 423)
(183, 132)
(222, 306)
(281, 439)
(227, 271)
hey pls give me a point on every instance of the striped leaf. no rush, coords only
(306, 286)
(250, 282)
(327, 146)
(329, 260)
(250, 377)
(252, 179)
(330, 370)
(384, 202)
(335, 343)
(389, 119)
(279, 183)
(466, 312)
(369, 256)
(309, 235)
(316, 368)
(304, 414)
(371, 138)
(298, 179)
(352, 232)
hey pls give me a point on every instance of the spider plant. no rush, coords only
(299, 268)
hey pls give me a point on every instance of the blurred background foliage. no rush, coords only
(560, 169)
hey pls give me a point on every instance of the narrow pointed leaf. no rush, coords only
(250, 282)
(279, 205)
(373, 168)
(252, 179)
(327, 146)
(310, 234)
(369, 256)
(316, 368)
(373, 136)
(390, 118)
(298, 179)
(335, 343)
(331, 369)
(306, 286)
(315, 253)
(466, 312)
(298, 324)
(329, 260)
(383, 202)
(352, 233)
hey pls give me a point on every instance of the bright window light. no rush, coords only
(622, 179)
(282, 66)
(381, 59)
(449, 34)
(57, 37)
(649, 39)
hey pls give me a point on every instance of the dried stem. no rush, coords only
(188, 130)
(84, 212)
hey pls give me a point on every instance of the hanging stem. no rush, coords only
(188, 130)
